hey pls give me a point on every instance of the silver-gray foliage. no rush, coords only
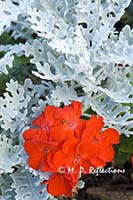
(77, 55)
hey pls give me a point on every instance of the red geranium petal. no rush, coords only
(69, 113)
(58, 185)
(61, 159)
(77, 109)
(65, 114)
(107, 153)
(30, 148)
(41, 136)
(93, 127)
(49, 111)
(46, 167)
(36, 160)
(85, 165)
(112, 136)
(88, 150)
(79, 128)
(30, 133)
(61, 133)
(69, 146)
(46, 119)
(96, 162)
(95, 122)
(50, 157)
(39, 121)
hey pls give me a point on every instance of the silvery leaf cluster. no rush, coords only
(77, 54)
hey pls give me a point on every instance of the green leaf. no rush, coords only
(124, 150)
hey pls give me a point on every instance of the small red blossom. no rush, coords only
(63, 144)
(46, 119)
(37, 145)
(99, 141)
(59, 184)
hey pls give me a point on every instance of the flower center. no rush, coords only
(73, 125)
(94, 140)
(64, 121)
(61, 170)
(47, 128)
(77, 159)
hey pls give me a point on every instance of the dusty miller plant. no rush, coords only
(77, 55)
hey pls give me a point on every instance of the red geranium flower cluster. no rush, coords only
(64, 143)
